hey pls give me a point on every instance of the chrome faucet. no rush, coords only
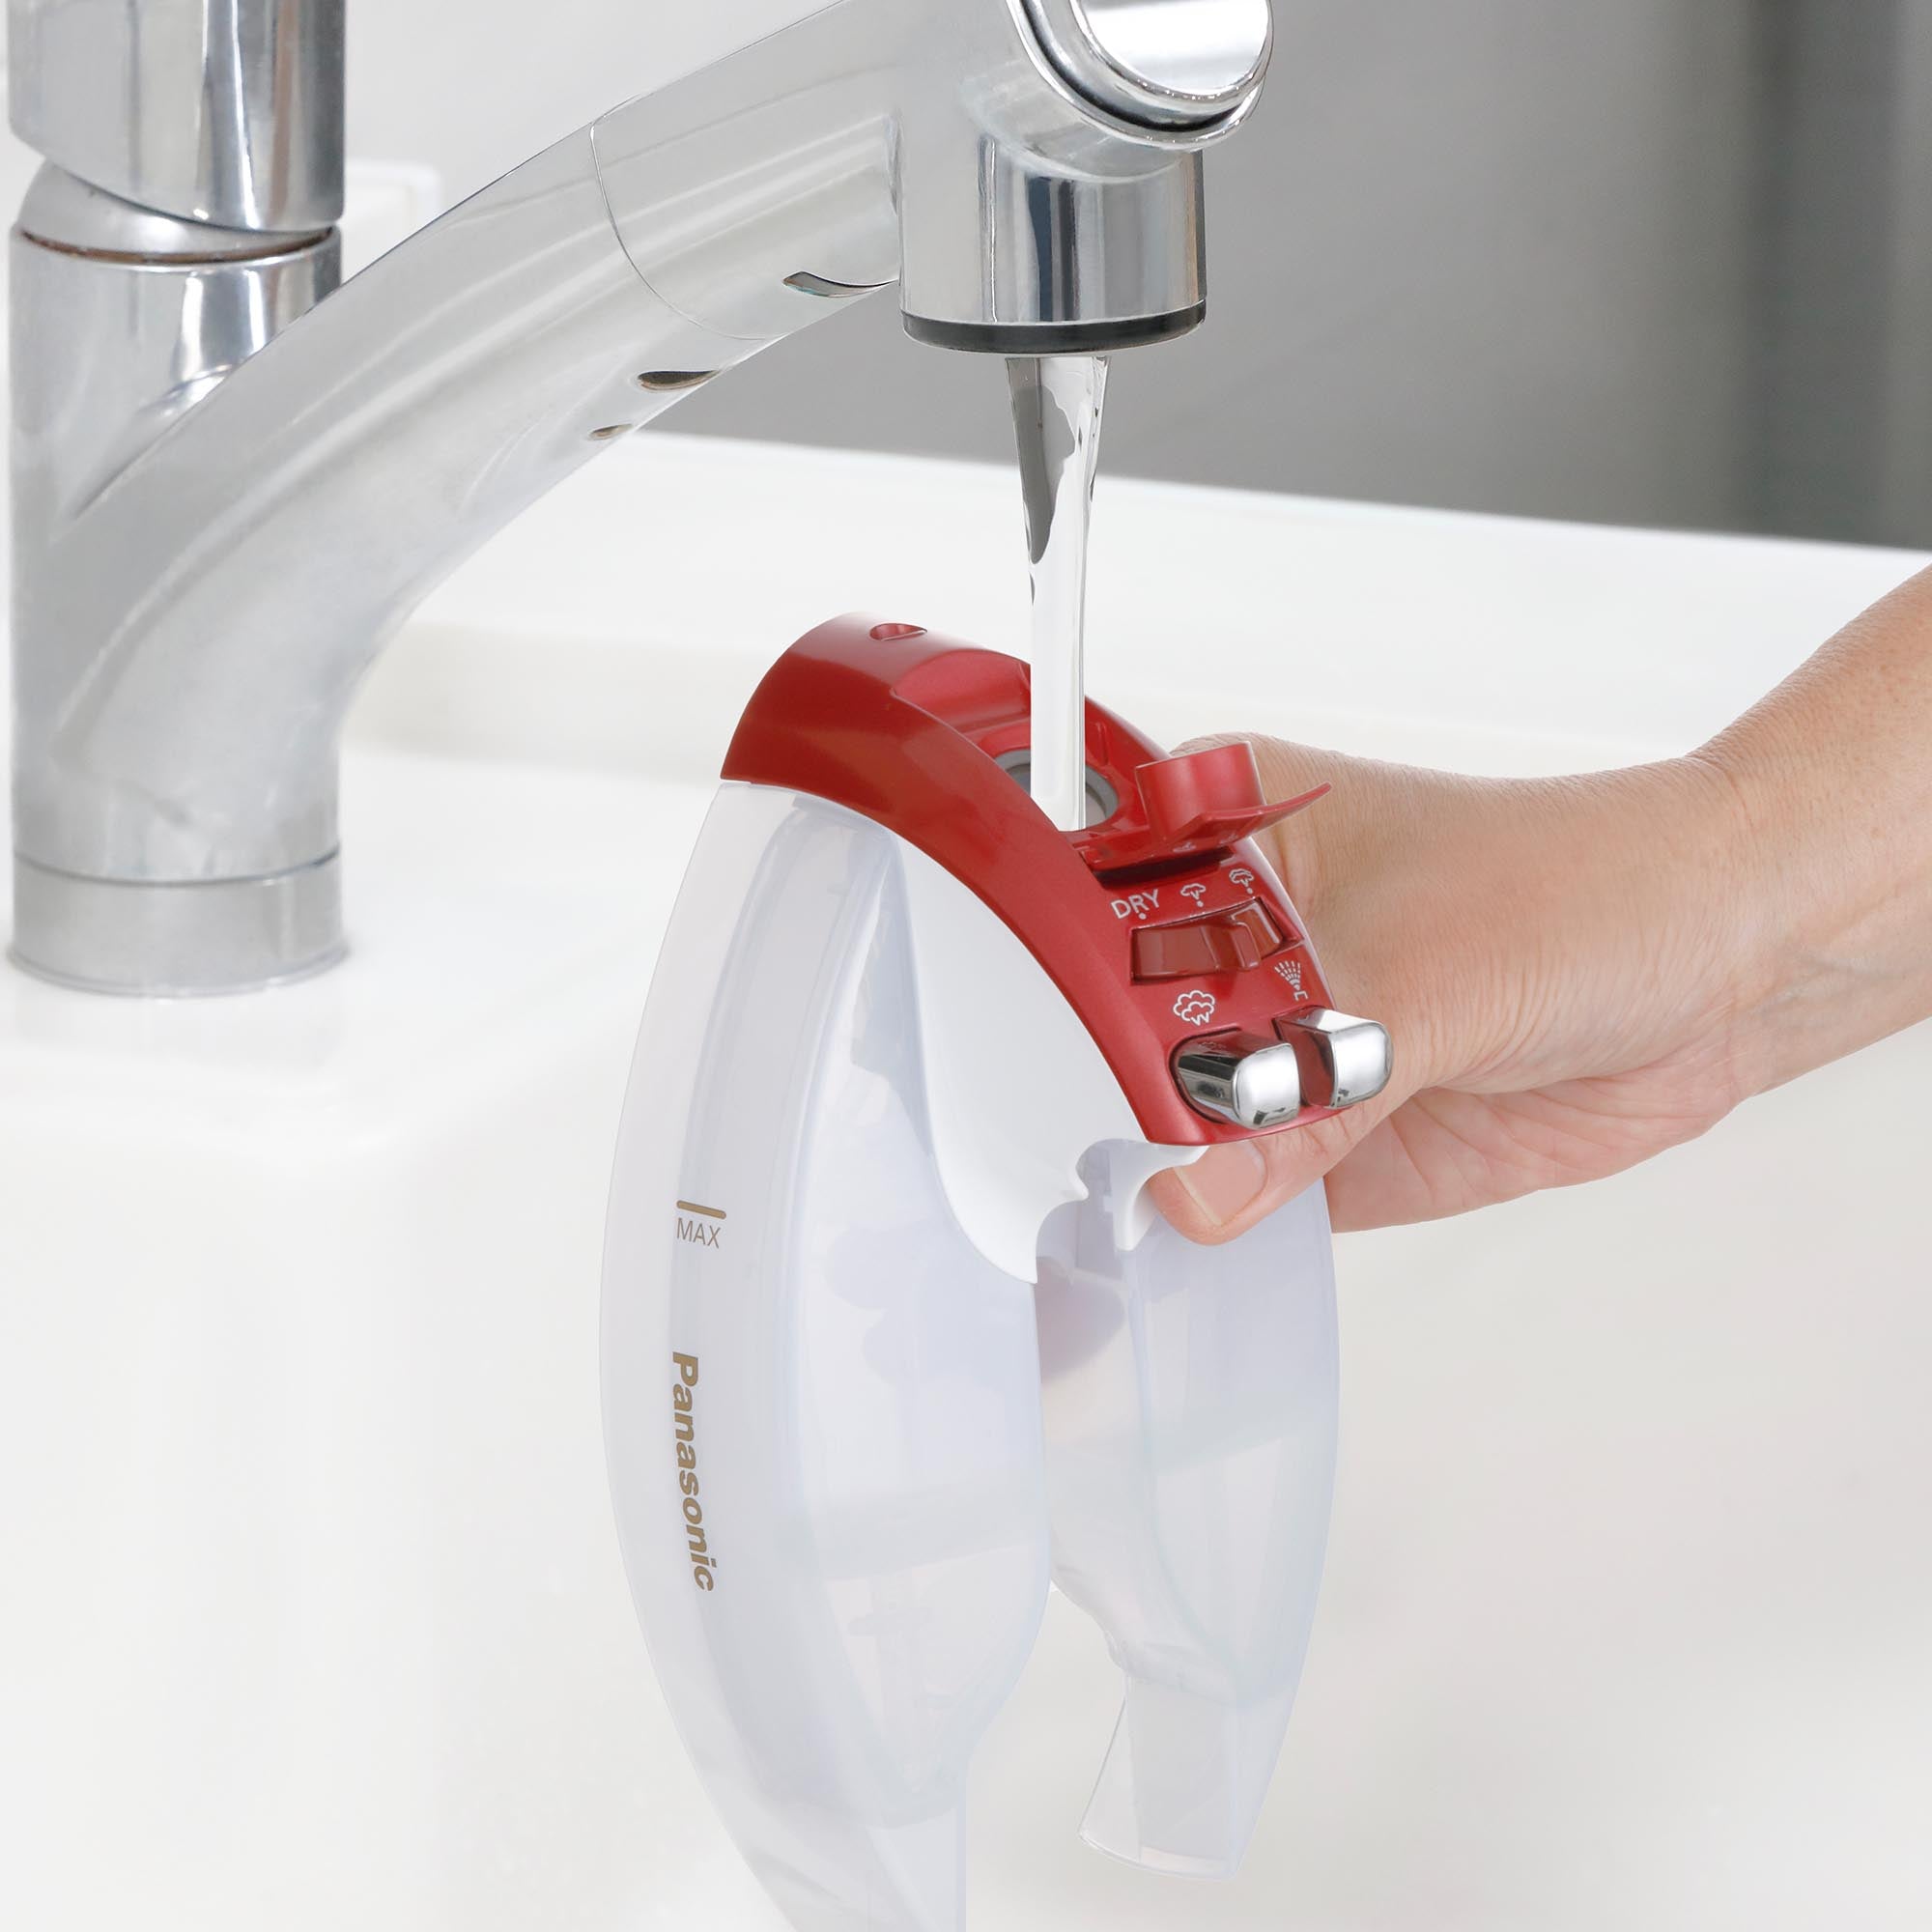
(232, 480)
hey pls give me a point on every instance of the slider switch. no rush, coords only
(1229, 942)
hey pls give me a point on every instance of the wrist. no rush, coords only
(1832, 894)
(1659, 933)
(1746, 899)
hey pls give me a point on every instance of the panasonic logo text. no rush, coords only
(684, 1433)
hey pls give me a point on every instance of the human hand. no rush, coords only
(1550, 962)
(1578, 974)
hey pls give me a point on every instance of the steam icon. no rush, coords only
(1197, 1008)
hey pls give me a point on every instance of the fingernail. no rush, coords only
(1225, 1181)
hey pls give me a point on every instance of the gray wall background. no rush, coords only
(1664, 261)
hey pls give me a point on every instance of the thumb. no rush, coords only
(1232, 1187)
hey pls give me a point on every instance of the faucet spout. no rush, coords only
(200, 585)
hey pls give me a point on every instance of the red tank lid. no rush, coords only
(1161, 925)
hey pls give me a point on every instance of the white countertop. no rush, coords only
(1536, 645)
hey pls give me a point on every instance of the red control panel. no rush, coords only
(1163, 926)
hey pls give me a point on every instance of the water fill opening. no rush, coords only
(1058, 401)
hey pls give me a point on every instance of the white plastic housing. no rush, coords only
(857, 1102)
(1190, 1398)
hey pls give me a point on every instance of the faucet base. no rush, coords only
(177, 941)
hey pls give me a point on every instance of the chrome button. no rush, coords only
(1239, 1077)
(1344, 1061)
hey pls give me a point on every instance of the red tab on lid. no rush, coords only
(1201, 802)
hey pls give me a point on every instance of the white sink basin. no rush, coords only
(310, 1613)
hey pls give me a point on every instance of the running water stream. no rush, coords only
(1057, 407)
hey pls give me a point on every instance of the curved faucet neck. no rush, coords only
(210, 549)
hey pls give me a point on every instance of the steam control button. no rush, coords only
(1240, 1077)
(1344, 1061)
(1230, 942)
